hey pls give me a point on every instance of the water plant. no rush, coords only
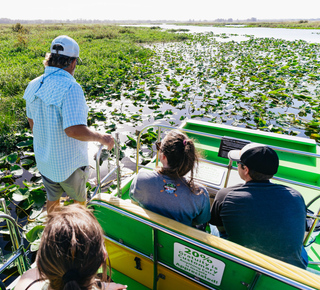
(110, 55)
(132, 77)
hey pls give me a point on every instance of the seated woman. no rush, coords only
(70, 253)
(166, 191)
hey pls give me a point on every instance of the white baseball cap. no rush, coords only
(258, 157)
(235, 155)
(69, 46)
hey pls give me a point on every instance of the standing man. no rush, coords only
(260, 215)
(57, 113)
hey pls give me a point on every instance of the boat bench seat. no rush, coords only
(292, 166)
(225, 246)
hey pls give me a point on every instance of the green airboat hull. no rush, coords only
(149, 251)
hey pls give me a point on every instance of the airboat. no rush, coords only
(150, 251)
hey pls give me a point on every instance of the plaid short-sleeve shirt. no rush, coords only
(55, 101)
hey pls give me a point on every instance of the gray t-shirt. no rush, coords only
(266, 217)
(171, 198)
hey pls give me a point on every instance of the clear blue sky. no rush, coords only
(155, 10)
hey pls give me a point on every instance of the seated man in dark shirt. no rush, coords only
(260, 215)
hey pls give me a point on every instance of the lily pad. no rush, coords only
(16, 170)
(12, 158)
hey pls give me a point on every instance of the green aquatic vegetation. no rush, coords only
(30, 197)
(112, 58)
(276, 73)
(261, 83)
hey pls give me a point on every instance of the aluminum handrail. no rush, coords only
(215, 137)
(17, 242)
(229, 166)
(11, 260)
(310, 232)
(221, 164)
(110, 172)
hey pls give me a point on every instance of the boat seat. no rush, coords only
(256, 258)
(292, 166)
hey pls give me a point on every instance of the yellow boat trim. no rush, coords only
(123, 260)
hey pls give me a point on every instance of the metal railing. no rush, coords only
(19, 254)
(153, 256)
(229, 167)
(110, 172)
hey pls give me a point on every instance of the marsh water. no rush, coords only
(310, 35)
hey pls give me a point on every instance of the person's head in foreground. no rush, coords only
(178, 156)
(72, 250)
(255, 162)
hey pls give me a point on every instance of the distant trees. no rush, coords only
(5, 20)
(222, 20)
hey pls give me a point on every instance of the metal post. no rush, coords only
(16, 239)
(155, 258)
(316, 218)
(228, 173)
(98, 170)
(118, 165)
(137, 152)
(159, 138)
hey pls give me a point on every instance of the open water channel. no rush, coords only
(310, 35)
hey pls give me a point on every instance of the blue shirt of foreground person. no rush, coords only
(260, 215)
(57, 113)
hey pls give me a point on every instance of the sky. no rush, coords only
(179, 10)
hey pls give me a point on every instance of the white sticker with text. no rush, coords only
(198, 264)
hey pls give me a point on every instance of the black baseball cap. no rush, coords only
(257, 157)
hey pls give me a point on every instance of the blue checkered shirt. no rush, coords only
(55, 101)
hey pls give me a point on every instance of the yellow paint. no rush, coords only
(123, 261)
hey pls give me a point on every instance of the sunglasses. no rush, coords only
(158, 146)
(239, 162)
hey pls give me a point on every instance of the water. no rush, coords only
(309, 35)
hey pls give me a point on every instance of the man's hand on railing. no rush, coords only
(107, 140)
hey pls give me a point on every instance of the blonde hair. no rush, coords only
(72, 249)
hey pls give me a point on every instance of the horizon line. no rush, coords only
(230, 19)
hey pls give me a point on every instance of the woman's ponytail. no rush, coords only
(181, 155)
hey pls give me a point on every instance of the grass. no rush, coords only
(108, 54)
(288, 24)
